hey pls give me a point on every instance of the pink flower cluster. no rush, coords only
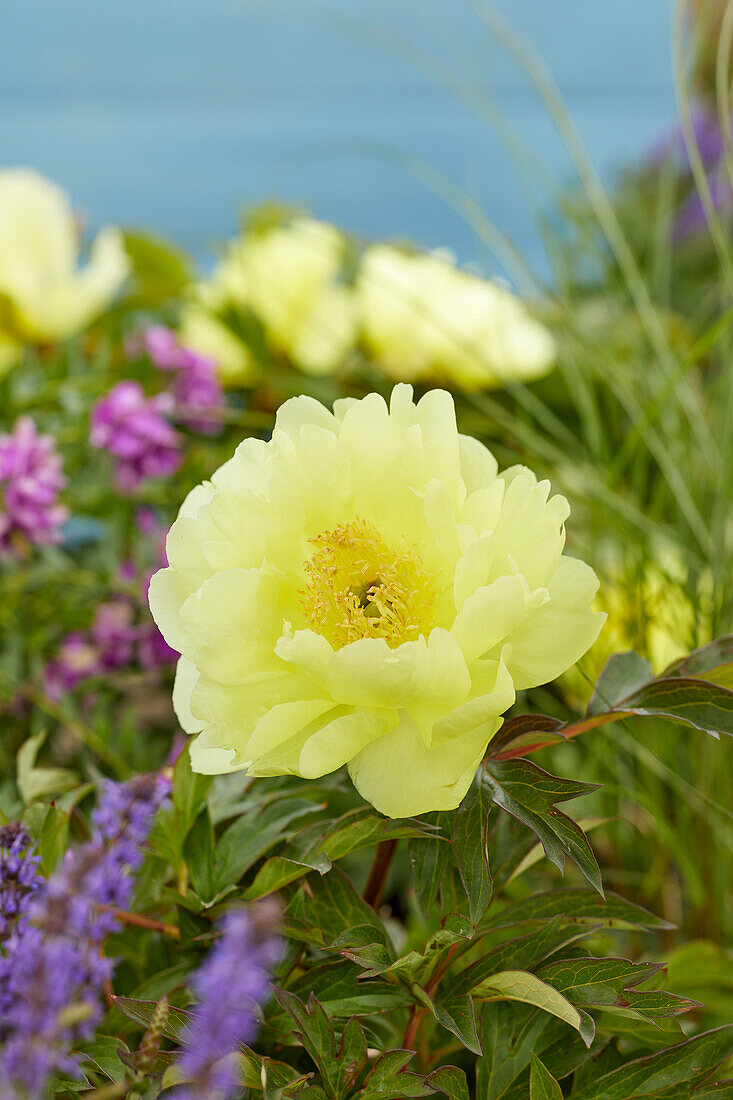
(115, 640)
(30, 482)
(112, 642)
(137, 430)
(196, 390)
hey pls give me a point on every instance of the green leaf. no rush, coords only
(102, 1052)
(697, 703)
(509, 844)
(362, 829)
(522, 953)
(142, 1012)
(510, 1033)
(536, 852)
(251, 835)
(341, 993)
(419, 965)
(333, 907)
(36, 782)
(199, 854)
(696, 691)
(622, 674)
(639, 1034)
(721, 1090)
(451, 1081)
(524, 733)
(542, 1085)
(611, 983)
(428, 860)
(469, 845)
(530, 794)
(520, 985)
(279, 871)
(351, 1057)
(317, 1035)
(189, 792)
(162, 268)
(708, 659)
(389, 1080)
(455, 1012)
(684, 1064)
(49, 826)
(580, 905)
(280, 1078)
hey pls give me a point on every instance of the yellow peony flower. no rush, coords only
(366, 589)
(287, 275)
(423, 319)
(43, 296)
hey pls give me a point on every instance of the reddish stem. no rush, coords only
(142, 922)
(378, 875)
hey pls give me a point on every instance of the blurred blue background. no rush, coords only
(175, 114)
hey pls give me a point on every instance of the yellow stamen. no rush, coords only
(359, 587)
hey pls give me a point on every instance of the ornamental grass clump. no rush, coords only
(367, 589)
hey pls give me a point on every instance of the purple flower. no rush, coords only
(113, 633)
(77, 659)
(196, 390)
(30, 482)
(691, 216)
(55, 1003)
(159, 344)
(198, 396)
(135, 430)
(18, 878)
(230, 986)
(52, 973)
(153, 650)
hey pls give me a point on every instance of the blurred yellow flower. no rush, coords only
(203, 332)
(288, 277)
(652, 612)
(10, 350)
(422, 318)
(44, 297)
(367, 589)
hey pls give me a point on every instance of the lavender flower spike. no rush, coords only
(230, 985)
(51, 980)
(19, 880)
(30, 482)
(135, 430)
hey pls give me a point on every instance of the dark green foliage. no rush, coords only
(463, 982)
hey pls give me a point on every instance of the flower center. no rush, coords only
(359, 587)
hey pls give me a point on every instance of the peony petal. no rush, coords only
(368, 673)
(402, 778)
(208, 757)
(478, 466)
(557, 634)
(492, 613)
(335, 743)
(530, 532)
(232, 622)
(186, 679)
